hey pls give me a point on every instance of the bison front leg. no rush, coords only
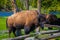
(10, 30)
(27, 29)
(42, 25)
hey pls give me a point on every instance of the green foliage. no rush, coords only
(45, 4)
(5, 5)
(2, 23)
(33, 3)
(20, 4)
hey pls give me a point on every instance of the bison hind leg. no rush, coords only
(27, 29)
(18, 32)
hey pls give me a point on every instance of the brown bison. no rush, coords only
(27, 20)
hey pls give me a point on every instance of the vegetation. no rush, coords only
(47, 5)
(2, 23)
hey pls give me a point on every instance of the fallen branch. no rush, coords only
(50, 31)
(43, 32)
(20, 37)
(51, 37)
(48, 25)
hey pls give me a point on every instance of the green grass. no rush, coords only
(2, 23)
(3, 27)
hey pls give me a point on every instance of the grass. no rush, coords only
(3, 27)
(2, 23)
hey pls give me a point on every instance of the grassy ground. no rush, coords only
(2, 23)
(3, 27)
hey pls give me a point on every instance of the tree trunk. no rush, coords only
(17, 9)
(27, 4)
(14, 6)
(39, 6)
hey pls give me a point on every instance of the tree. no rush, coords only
(39, 6)
(27, 4)
(34, 3)
(6, 5)
(14, 6)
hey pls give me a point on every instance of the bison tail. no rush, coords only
(6, 23)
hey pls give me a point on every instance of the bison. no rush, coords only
(27, 20)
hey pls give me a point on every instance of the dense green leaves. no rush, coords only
(20, 4)
(33, 3)
(5, 5)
